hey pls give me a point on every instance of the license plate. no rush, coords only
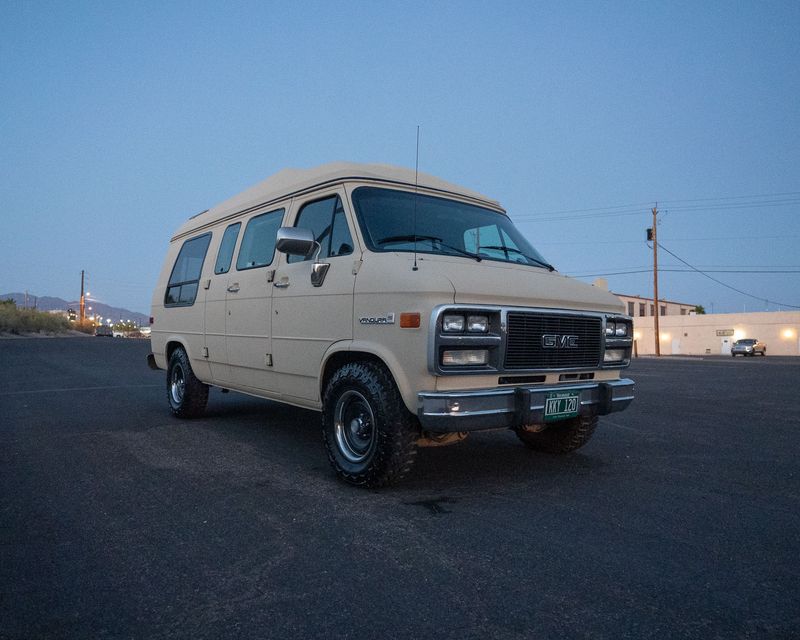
(561, 405)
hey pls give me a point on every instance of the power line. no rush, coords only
(618, 206)
(678, 210)
(737, 268)
(648, 270)
(750, 295)
(759, 195)
(733, 206)
(667, 203)
(535, 217)
(570, 242)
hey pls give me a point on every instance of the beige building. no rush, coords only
(639, 307)
(714, 334)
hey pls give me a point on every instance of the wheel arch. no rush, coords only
(355, 351)
(172, 344)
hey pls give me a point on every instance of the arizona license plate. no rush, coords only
(561, 405)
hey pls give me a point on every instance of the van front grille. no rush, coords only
(553, 341)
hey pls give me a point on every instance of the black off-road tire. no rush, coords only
(560, 437)
(187, 396)
(369, 435)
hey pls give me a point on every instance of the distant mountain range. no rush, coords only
(48, 303)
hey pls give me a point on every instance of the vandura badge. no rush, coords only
(552, 341)
(387, 319)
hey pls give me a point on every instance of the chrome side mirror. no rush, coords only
(295, 241)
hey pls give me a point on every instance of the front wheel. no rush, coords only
(186, 394)
(560, 437)
(369, 435)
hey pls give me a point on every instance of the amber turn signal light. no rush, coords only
(409, 320)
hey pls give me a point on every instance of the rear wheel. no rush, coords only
(560, 437)
(369, 434)
(186, 394)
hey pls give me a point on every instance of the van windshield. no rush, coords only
(442, 226)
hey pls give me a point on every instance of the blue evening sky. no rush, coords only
(118, 120)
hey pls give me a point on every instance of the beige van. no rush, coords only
(408, 310)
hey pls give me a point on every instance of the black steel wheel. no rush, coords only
(187, 396)
(369, 435)
(560, 437)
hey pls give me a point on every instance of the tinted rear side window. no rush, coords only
(258, 242)
(182, 287)
(226, 247)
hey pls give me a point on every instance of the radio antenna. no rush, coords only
(416, 185)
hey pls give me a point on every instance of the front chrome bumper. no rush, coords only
(448, 411)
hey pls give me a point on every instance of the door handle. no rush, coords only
(282, 284)
(234, 288)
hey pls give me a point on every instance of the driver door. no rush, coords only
(308, 318)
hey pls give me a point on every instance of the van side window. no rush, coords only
(226, 247)
(258, 242)
(327, 222)
(182, 287)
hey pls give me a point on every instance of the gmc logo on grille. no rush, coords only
(553, 341)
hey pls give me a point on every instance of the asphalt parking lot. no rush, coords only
(679, 519)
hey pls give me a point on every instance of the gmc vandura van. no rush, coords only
(407, 310)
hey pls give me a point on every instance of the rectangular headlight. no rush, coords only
(611, 327)
(614, 355)
(477, 324)
(453, 324)
(463, 357)
(622, 329)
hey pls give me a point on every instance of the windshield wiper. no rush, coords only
(432, 240)
(541, 263)
(407, 238)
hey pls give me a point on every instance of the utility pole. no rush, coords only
(655, 281)
(82, 302)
